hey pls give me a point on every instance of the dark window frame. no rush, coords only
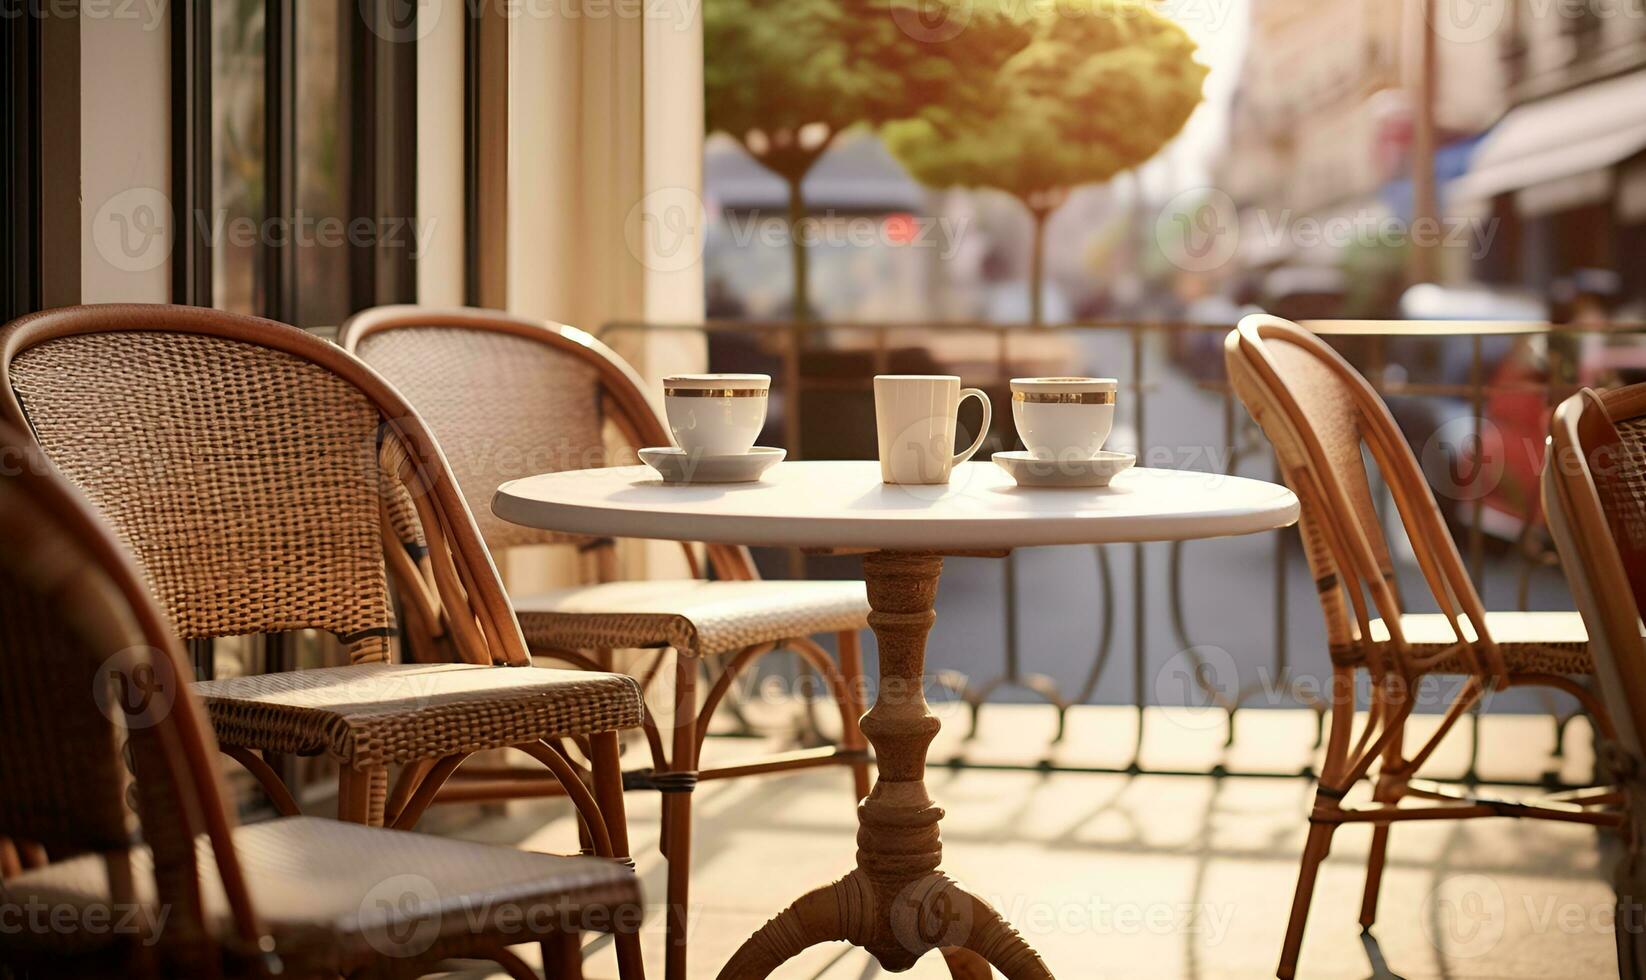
(279, 261)
(39, 163)
(471, 158)
(191, 153)
(383, 100)
(485, 175)
(19, 167)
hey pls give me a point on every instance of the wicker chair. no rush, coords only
(112, 815)
(1319, 413)
(247, 464)
(510, 397)
(1594, 491)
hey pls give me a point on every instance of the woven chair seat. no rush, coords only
(697, 618)
(336, 897)
(382, 714)
(1531, 642)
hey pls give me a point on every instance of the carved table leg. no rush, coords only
(896, 905)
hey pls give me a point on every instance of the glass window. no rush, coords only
(321, 236)
(318, 237)
(237, 142)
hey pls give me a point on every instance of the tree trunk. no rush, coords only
(1425, 205)
(797, 252)
(1037, 269)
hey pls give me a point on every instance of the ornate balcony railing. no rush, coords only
(1474, 399)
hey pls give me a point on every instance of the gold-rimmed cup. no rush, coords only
(716, 414)
(1064, 418)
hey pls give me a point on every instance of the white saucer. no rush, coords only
(679, 466)
(1094, 472)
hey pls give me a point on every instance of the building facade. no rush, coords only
(1564, 171)
(1319, 160)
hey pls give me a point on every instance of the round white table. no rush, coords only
(844, 505)
(896, 904)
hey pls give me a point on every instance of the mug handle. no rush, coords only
(982, 431)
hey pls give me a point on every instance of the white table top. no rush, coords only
(844, 505)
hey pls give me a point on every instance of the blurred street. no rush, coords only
(1228, 587)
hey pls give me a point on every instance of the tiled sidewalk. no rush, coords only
(1150, 876)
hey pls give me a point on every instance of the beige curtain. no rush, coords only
(605, 167)
(440, 151)
(124, 165)
(605, 184)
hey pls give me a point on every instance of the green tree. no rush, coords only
(1100, 88)
(786, 77)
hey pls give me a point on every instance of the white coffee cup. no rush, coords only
(1063, 418)
(716, 414)
(915, 417)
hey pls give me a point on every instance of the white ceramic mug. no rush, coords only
(915, 417)
(1063, 418)
(716, 414)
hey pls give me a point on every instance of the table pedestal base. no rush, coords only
(931, 913)
(897, 905)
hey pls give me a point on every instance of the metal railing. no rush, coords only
(990, 354)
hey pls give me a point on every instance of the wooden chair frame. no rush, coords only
(461, 592)
(176, 743)
(1583, 429)
(675, 772)
(173, 751)
(1355, 571)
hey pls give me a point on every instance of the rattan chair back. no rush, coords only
(1324, 420)
(91, 676)
(1594, 491)
(506, 403)
(512, 397)
(246, 464)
